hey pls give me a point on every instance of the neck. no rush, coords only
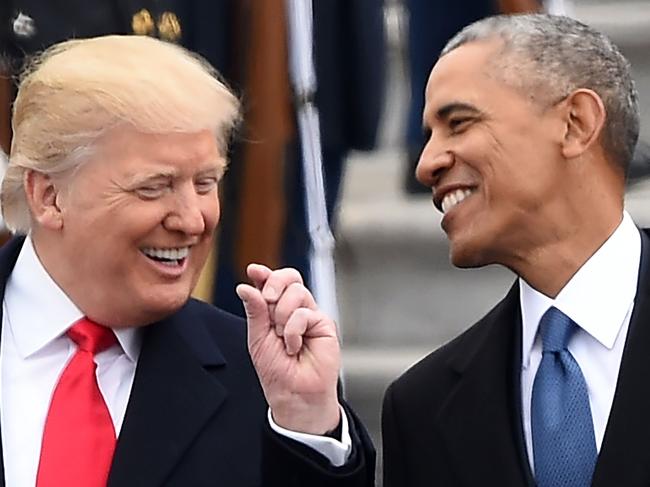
(550, 267)
(575, 222)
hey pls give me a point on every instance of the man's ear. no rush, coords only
(584, 119)
(43, 199)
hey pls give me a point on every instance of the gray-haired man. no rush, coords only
(532, 122)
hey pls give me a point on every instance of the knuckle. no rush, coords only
(303, 313)
(292, 274)
(296, 284)
(297, 288)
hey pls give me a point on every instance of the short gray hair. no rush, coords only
(559, 55)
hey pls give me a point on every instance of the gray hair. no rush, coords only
(557, 56)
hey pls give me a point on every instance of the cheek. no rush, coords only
(211, 213)
(513, 169)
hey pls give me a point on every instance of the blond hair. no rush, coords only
(75, 91)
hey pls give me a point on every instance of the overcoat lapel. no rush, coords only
(479, 421)
(625, 453)
(173, 397)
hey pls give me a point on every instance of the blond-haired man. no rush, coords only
(110, 374)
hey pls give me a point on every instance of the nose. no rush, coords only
(434, 161)
(186, 216)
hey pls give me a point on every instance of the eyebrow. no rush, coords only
(215, 167)
(446, 110)
(136, 179)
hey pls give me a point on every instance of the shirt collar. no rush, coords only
(35, 326)
(599, 295)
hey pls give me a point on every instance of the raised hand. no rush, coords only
(294, 348)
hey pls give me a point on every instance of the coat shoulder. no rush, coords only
(434, 371)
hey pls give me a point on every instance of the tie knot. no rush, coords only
(91, 337)
(556, 330)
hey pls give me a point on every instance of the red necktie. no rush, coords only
(79, 437)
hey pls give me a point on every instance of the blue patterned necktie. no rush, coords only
(564, 445)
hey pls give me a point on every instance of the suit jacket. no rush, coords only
(196, 415)
(454, 419)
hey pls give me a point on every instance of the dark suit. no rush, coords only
(196, 415)
(454, 419)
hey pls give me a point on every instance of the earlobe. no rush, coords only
(584, 120)
(43, 199)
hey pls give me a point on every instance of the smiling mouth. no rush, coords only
(172, 257)
(454, 198)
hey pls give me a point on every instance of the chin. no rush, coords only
(165, 302)
(173, 302)
(466, 256)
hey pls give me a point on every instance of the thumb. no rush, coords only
(257, 312)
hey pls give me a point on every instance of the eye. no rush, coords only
(151, 192)
(458, 124)
(205, 185)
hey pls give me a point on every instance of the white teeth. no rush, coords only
(168, 254)
(452, 198)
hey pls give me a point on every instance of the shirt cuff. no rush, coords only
(337, 452)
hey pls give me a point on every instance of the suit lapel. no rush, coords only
(479, 421)
(624, 458)
(172, 398)
(8, 256)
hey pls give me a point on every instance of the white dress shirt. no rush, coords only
(34, 350)
(599, 298)
(33, 353)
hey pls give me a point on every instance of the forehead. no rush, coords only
(465, 75)
(132, 151)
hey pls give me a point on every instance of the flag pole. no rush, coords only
(303, 78)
